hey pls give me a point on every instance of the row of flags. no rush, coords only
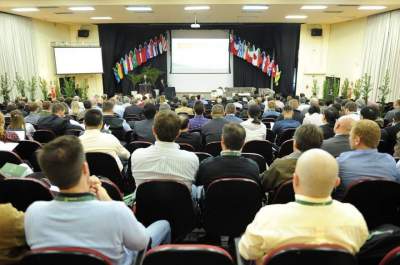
(140, 55)
(256, 57)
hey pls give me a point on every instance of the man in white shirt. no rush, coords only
(164, 159)
(314, 218)
(350, 111)
(93, 140)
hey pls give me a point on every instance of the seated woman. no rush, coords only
(329, 119)
(255, 129)
(6, 136)
(18, 124)
(313, 116)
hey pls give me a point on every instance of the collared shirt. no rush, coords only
(356, 164)
(314, 118)
(282, 125)
(197, 122)
(164, 160)
(312, 221)
(95, 141)
(254, 131)
(72, 222)
(354, 115)
(231, 153)
(233, 118)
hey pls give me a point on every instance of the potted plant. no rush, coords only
(384, 90)
(83, 90)
(345, 88)
(357, 89)
(325, 90)
(5, 87)
(43, 87)
(20, 84)
(69, 87)
(315, 88)
(365, 87)
(32, 85)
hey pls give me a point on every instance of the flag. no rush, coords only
(270, 67)
(232, 44)
(260, 58)
(134, 59)
(143, 53)
(164, 44)
(120, 71)
(115, 71)
(240, 49)
(160, 47)
(278, 75)
(150, 48)
(236, 45)
(244, 55)
(129, 59)
(155, 46)
(250, 52)
(124, 64)
(256, 54)
(273, 71)
(138, 57)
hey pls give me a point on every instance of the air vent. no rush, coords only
(333, 11)
(63, 13)
(48, 7)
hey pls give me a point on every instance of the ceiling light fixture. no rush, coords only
(195, 25)
(25, 9)
(139, 8)
(196, 8)
(82, 8)
(296, 17)
(101, 18)
(254, 7)
(313, 7)
(372, 7)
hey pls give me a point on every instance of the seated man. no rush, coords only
(93, 140)
(230, 113)
(192, 138)
(350, 110)
(87, 104)
(230, 163)
(340, 142)
(288, 121)
(34, 115)
(305, 138)
(297, 115)
(112, 120)
(133, 109)
(144, 128)
(364, 160)
(184, 108)
(164, 160)
(389, 134)
(12, 236)
(314, 218)
(389, 116)
(199, 120)
(81, 214)
(212, 130)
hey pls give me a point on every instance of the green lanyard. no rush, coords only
(86, 197)
(314, 203)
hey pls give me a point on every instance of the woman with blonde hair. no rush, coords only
(18, 123)
(75, 108)
(6, 136)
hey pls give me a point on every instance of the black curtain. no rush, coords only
(281, 39)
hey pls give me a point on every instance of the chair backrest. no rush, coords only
(385, 147)
(119, 133)
(113, 191)
(168, 200)
(27, 151)
(74, 132)
(187, 147)
(213, 148)
(326, 254)
(270, 136)
(132, 146)
(378, 200)
(202, 156)
(271, 118)
(134, 117)
(188, 254)
(261, 147)
(9, 157)
(22, 192)
(284, 193)
(284, 136)
(286, 148)
(43, 136)
(64, 256)
(230, 205)
(259, 159)
(391, 258)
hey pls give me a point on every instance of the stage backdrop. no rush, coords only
(280, 39)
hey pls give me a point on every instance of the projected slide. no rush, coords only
(78, 60)
(200, 55)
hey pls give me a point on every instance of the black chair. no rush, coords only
(378, 200)
(269, 119)
(384, 147)
(284, 136)
(202, 156)
(9, 157)
(130, 136)
(168, 200)
(230, 204)
(104, 165)
(259, 159)
(284, 193)
(187, 147)
(119, 133)
(132, 146)
(134, 117)
(74, 132)
(391, 258)
(188, 254)
(43, 136)
(27, 151)
(113, 191)
(64, 256)
(22, 192)
(213, 148)
(270, 136)
(261, 147)
(286, 148)
(326, 254)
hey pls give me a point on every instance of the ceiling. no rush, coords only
(172, 11)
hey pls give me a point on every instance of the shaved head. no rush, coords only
(343, 125)
(316, 174)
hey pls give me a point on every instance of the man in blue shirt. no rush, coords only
(82, 214)
(230, 113)
(364, 160)
(287, 123)
(199, 120)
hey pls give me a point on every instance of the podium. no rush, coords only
(145, 89)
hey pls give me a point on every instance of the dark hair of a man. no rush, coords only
(337, 106)
(314, 109)
(149, 111)
(61, 161)
(308, 136)
(369, 113)
(234, 135)
(198, 108)
(351, 106)
(287, 108)
(108, 106)
(184, 119)
(57, 107)
(254, 112)
(93, 118)
(331, 115)
(167, 126)
(396, 116)
(87, 104)
(33, 106)
(10, 107)
(46, 105)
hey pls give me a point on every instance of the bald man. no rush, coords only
(340, 142)
(314, 218)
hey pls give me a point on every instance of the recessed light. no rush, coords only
(195, 26)
(196, 8)
(139, 8)
(25, 9)
(371, 7)
(101, 18)
(82, 8)
(254, 7)
(313, 7)
(296, 17)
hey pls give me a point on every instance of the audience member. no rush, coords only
(192, 138)
(17, 123)
(212, 130)
(270, 110)
(143, 129)
(46, 109)
(164, 159)
(313, 218)
(230, 163)
(77, 216)
(164, 107)
(305, 138)
(111, 120)
(371, 113)
(87, 105)
(389, 116)
(389, 134)
(313, 116)
(297, 115)
(133, 109)
(33, 116)
(350, 110)
(329, 119)
(364, 160)
(199, 120)
(255, 129)
(75, 108)
(340, 142)
(230, 113)
(287, 123)
(184, 108)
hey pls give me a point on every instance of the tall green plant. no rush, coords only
(336, 87)
(357, 89)
(366, 87)
(345, 88)
(315, 88)
(32, 85)
(83, 90)
(69, 87)
(325, 90)
(20, 84)
(384, 90)
(5, 87)
(43, 87)
(57, 89)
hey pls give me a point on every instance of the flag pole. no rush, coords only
(272, 79)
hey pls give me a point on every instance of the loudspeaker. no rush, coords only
(169, 92)
(83, 33)
(316, 32)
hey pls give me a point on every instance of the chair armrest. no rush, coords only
(239, 259)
